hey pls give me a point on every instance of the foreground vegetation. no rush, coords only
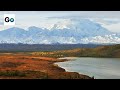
(25, 66)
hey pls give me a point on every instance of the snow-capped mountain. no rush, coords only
(80, 28)
(72, 31)
(106, 39)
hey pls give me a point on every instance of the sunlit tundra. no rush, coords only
(36, 46)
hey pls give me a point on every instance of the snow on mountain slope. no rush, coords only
(106, 39)
(71, 31)
(80, 28)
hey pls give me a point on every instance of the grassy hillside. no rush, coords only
(101, 51)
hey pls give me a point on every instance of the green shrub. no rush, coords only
(12, 73)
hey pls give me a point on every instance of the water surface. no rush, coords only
(100, 68)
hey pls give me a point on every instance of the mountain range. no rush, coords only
(75, 32)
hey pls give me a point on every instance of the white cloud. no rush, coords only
(25, 19)
(113, 27)
(112, 24)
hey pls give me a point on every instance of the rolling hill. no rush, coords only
(112, 51)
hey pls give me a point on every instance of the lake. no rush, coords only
(100, 68)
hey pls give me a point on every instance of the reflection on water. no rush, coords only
(100, 68)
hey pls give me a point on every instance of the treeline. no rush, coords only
(42, 47)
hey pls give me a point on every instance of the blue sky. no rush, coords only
(25, 19)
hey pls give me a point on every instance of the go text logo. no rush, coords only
(9, 19)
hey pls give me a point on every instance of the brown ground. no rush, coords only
(25, 66)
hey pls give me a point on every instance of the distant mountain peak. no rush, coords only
(72, 31)
(32, 27)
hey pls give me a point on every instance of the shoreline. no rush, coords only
(64, 60)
